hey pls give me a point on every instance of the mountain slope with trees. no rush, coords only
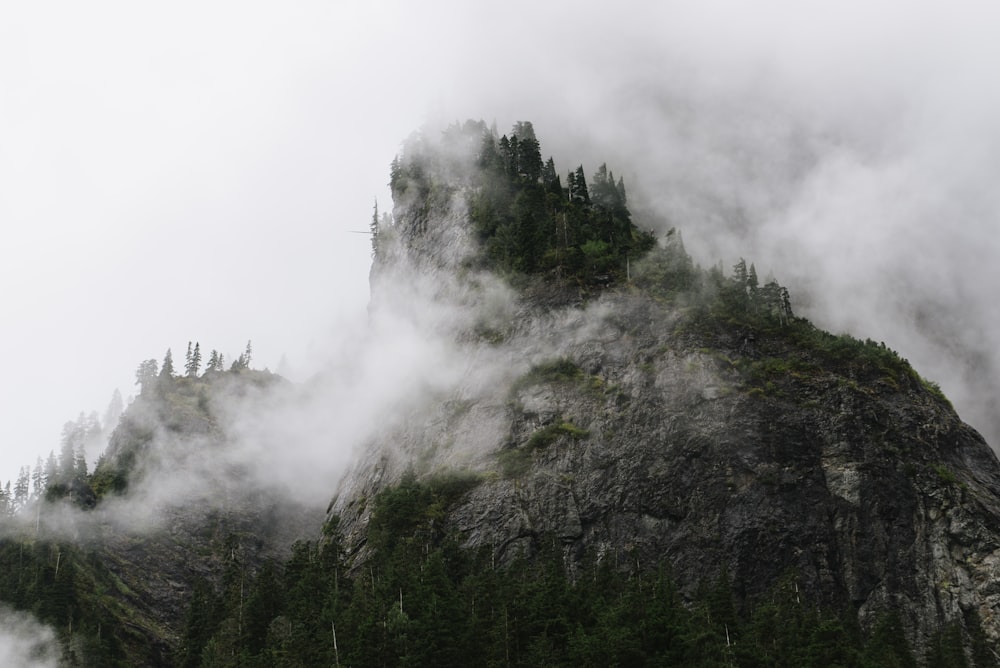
(645, 462)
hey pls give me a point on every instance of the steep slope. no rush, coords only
(665, 416)
(170, 510)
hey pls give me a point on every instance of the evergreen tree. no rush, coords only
(51, 470)
(578, 191)
(146, 374)
(21, 490)
(38, 480)
(167, 370)
(243, 361)
(72, 436)
(80, 472)
(6, 501)
(527, 152)
(214, 362)
(740, 274)
(550, 178)
(114, 411)
(488, 158)
(193, 364)
(374, 229)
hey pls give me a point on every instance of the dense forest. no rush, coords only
(524, 218)
(420, 599)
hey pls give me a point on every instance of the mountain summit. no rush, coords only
(650, 416)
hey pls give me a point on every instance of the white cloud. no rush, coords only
(26, 643)
(192, 173)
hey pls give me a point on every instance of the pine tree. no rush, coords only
(21, 490)
(51, 470)
(528, 155)
(72, 435)
(193, 363)
(214, 362)
(145, 375)
(578, 191)
(114, 410)
(38, 480)
(550, 178)
(167, 370)
(740, 272)
(243, 361)
(6, 500)
(80, 472)
(373, 227)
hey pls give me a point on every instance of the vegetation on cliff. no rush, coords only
(421, 599)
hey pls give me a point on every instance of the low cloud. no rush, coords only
(26, 643)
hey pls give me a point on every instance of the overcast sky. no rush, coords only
(196, 171)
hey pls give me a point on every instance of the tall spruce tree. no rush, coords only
(167, 370)
(193, 364)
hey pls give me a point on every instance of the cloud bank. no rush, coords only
(26, 643)
(850, 148)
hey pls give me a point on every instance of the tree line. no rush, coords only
(526, 220)
(420, 599)
(150, 374)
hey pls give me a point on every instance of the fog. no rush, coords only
(198, 174)
(26, 643)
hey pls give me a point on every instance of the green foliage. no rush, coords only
(65, 588)
(935, 390)
(560, 370)
(548, 435)
(423, 600)
(945, 474)
(526, 222)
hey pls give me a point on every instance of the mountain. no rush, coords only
(613, 457)
(657, 415)
(114, 559)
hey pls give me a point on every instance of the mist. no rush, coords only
(850, 150)
(26, 643)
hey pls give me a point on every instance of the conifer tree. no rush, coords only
(167, 370)
(374, 229)
(6, 500)
(578, 191)
(740, 272)
(71, 437)
(528, 155)
(193, 363)
(114, 411)
(214, 362)
(80, 472)
(243, 361)
(550, 178)
(144, 376)
(51, 469)
(38, 480)
(21, 490)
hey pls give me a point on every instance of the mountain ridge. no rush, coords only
(617, 457)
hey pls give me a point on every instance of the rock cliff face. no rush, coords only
(656, 432)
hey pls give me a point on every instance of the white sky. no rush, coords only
(193, 170)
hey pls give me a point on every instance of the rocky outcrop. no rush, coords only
(617, 424)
